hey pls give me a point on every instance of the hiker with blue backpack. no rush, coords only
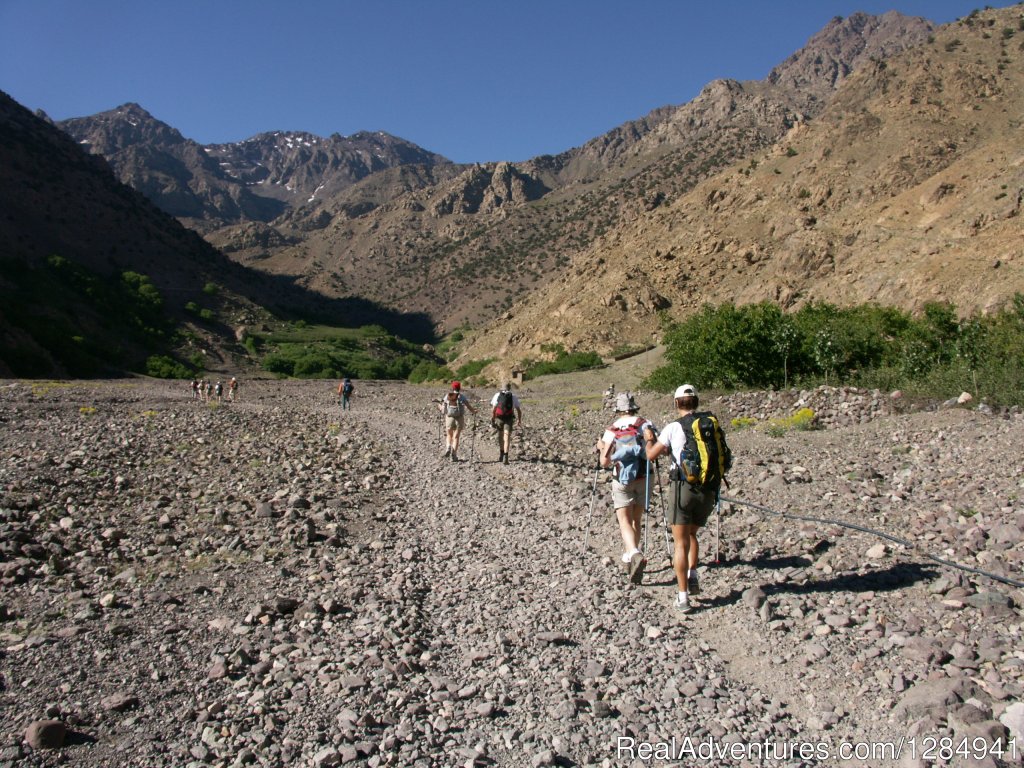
(345, 391)
(700, 458)
(506, 413)
(621, 448)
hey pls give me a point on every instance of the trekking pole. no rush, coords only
(664, 512)
(593, 499)
(718, 524)
(647, 503)
(472, 442)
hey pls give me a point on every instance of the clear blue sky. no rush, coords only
(475, 80)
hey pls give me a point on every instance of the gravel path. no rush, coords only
(275, 582)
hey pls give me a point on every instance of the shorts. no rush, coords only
(454, 422)
(501, 426)
(632, 493)
(689, 505)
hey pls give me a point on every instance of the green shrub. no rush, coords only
(163, 367)
(472, 368)
(931, 354)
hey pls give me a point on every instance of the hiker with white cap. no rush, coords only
(621, 448)
(506, 412)
(700, 459)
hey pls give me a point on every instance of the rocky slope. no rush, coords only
(906, 189)
(373, 217)
(274, 582)
(211, 186)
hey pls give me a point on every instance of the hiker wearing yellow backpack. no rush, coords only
(621, 448)
(700, 458)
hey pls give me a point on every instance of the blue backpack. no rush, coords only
(628, 451)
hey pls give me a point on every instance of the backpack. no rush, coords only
(505, 409)
(453, 404)
(347, 388)
(706, 456)
(628, 451)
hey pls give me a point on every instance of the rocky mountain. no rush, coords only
(906, 188)
(208, 187)
(72, 231)
(461, 243)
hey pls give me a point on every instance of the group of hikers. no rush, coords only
(631, 447)
(699, 458)
(206, 391)
(506, 414)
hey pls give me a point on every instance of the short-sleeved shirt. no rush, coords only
(515, 399)
(673, 438)
(608, 438)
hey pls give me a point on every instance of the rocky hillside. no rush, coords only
(209, 187)
(275, 583)
(461, 243)
(906, 188)
(71, 230)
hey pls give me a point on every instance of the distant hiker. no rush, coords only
(209, 391)
(700, 459)
(621, 447)
(232, 389)
(218, 390)
(506, 412)
(609, 396)
(195, 390)
(345, 391)
(453, 408)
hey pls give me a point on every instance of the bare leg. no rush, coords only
(681, 554)
(629, 526)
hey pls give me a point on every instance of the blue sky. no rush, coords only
(474, 80)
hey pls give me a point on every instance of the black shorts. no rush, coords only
(689, 505)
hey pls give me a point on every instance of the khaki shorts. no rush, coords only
(454, 422)
(689, 505)
(502, 426)
(627, 495)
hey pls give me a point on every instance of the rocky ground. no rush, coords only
(275, 582)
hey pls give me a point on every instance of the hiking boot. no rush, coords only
(682, 606)
(637, 564)
(693, 585)
(447, 451)
(454, 457)
(504, 458)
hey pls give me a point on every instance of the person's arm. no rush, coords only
(653, 447)
(519, 416)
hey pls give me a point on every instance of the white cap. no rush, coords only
(686, 390)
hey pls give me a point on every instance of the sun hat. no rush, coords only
(625, 402)
(456, 385)
(686, 390)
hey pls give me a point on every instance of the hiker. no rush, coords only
(195, 390)
(609, 396)
(345, 390)
(453, 408)
(219, 391)
(700, 459)
(232, 389)
(621, 448)
(506, 412)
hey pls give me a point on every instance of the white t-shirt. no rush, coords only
(674, 438)
(515, 399)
